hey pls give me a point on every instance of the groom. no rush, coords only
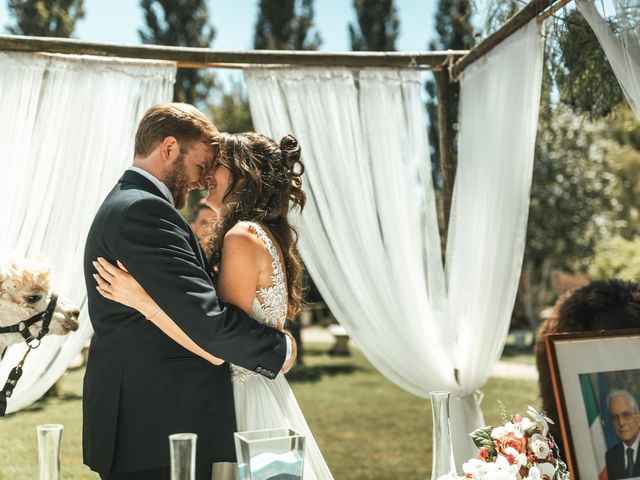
(140, 386)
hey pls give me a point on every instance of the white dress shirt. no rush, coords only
(161, 186)
(634, 445)
(167, 193)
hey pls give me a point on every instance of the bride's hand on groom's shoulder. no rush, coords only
(115, 283)
(288, 364)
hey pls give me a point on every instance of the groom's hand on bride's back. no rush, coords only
(289, 363)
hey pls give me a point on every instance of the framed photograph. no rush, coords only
(596, 381)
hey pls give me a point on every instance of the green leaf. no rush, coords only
(482, 437)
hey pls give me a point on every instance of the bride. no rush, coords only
(253, 184)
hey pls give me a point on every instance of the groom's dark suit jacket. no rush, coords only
(140, 386)
(615, 458)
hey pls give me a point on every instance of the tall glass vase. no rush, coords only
(49, 437)
(182, 447)
(444, 465)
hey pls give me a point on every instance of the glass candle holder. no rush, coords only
(49, 437)
(182, 447)
(270, 454)
(444, 465)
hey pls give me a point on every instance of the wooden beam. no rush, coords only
(210, 58)
(553, 10)
(519, 20)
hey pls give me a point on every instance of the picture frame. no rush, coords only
(585, 367)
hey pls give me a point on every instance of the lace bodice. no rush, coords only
(270, 303)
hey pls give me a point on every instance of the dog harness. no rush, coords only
(32, 342)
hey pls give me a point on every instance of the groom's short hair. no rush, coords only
(180, 120)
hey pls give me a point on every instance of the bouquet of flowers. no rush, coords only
(521, 449)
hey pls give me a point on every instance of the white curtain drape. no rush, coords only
(67, 125)
(369, 234)
(622, 48)
(499, 106)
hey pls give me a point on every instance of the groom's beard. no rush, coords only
(176, 181)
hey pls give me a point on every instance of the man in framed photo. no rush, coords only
(622, 459)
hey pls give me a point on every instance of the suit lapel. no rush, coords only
(134, 178)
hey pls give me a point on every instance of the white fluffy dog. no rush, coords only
(24, 292)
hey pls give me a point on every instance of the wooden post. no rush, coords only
(447, 101)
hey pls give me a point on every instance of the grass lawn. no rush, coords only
(367, 428)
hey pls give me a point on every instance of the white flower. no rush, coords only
(498, 432)
(534, 474)
(513, 428)
(526, 424)
(541, 419)
(499, 473)
(518, 458)
(474, 467)
(539, 446)
(502, 463)
(546, 469)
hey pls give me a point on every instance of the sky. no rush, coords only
(117, 21)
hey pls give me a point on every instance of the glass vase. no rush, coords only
(444, 465)
(49, 437)
(182, 447)
(270, 454)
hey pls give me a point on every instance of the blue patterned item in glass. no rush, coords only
(276, 454)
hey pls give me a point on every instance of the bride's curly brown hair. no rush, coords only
(265, 185)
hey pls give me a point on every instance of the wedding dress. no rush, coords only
(262, 403)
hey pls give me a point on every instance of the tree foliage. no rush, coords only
(454, 31)
(617, 258)
(573, 191)
(583, 74)
(45, 18)
(377, 26)
(286, 25)
(181, 23)
(232, 114)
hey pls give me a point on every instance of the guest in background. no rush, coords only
(203, 222)
(622, 458)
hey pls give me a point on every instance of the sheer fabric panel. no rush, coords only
(499, 106)
(622, 48)
(358, 233)
(369, 233)
(68, 124)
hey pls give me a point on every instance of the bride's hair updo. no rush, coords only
(265, 184)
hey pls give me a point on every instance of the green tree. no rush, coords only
(231, 114)
(573, 200)
(286, 25)
(454, 31)
(45, 18)
(624, 129)
(181, 23)
(617, 258)
(377, 26)
(583, 74)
